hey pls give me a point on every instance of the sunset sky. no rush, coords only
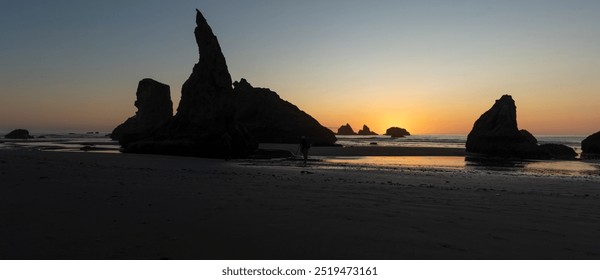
(431, 67)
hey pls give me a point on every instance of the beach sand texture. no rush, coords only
(56, 205)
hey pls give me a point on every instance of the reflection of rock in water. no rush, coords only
(489, 163)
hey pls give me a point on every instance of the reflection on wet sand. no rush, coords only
(473, 163)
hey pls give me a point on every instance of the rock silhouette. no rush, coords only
(18, 134)
(591, 144)
(366, 131)
(271, 119)
(397, 132)
(155, 108)
(496, 133)
(529, 136)
(346, 130)
(215, 120)
(559, 151)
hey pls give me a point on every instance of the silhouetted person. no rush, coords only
(304, 147)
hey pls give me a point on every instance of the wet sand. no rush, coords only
(56, 205)
(371, 150)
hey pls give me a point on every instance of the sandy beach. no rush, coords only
(57, 205)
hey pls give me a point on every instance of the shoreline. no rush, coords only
(57, 205)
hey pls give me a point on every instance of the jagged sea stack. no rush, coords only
(366, 131)
(496, 133)
(346, 130)
(215, 120)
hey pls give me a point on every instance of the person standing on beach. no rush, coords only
(304, 147)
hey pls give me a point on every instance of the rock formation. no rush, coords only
(215, 120)
(18, 134)
(366, 131)
(271, 119)
(591, 144)
(155, 108)
(559, 151)
(529, 136)
(496, 133)
(205, 124)
(397, 132)
(346, 130)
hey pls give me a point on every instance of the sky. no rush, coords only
(432, 67)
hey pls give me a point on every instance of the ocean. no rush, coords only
(97, 142)
(446, 141)
(579, 167)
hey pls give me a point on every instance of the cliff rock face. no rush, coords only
(397, 132)
(155, 108)
(18, 134)
(346, 130)
(366, 131)
(496, 133)
(591, 144)
(271, 119)
(215, 120)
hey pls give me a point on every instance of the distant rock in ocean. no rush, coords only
(155, 108)
(496, 133)
(366, 131)
(18, 134)
(346, 130)
(270, 119)
(591, 144)
(215, 120)
(397, 132)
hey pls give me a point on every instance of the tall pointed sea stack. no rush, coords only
(202, 95)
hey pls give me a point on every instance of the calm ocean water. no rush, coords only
(68, 142)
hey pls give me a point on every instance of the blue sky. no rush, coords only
(430, 66)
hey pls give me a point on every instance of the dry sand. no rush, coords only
(57, 205)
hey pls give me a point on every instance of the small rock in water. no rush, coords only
(373, 143)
